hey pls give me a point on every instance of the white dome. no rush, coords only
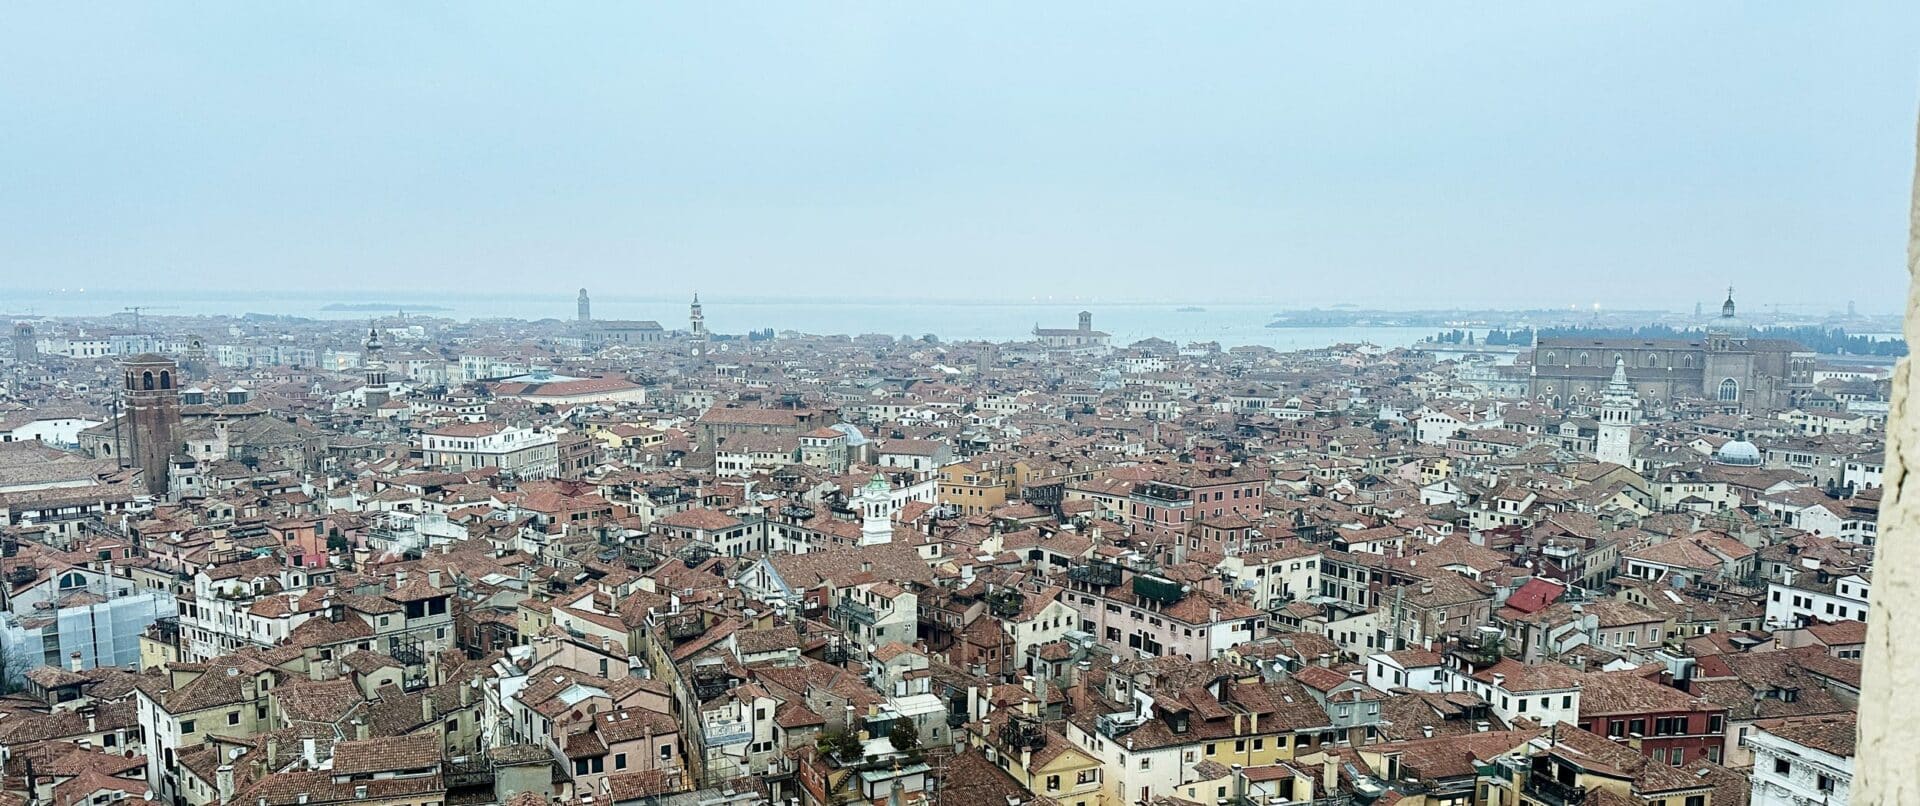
(1738, 452)
(854, 437)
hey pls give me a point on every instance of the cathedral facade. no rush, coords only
(1723, 366)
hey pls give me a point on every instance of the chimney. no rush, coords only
(1500, 680)
(223, 781)
(1239, 782)
(427, 710)
(433, 578)
(359, 728)
(1634, 740)
(1329, 772)
(466, 692)
(273, 754)
(73, 662)
(1426, 731)
(1482, 726)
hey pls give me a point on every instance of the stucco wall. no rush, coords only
(1889, 748)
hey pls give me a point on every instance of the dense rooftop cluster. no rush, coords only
(284, 562)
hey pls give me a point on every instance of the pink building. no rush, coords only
(305, 541)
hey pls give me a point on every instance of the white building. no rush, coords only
(253, 603)
(82, 612)
(78, 347)
(1806, 596)
(1548, 693)
(53, 429)
(521, 452)
(1416, 669)
(1434, 424)
(1802, 760)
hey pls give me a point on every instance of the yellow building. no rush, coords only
(976, 487)
(535, 616)
(1572, 765)
(1042, 759)
(157, 650)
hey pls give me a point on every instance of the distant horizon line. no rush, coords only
(424, 298)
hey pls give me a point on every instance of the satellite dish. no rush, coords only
(233, 753)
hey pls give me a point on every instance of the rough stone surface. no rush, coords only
(1889, 747)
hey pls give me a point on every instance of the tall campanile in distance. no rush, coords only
(153, 415)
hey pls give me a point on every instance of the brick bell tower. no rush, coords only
(153, 414)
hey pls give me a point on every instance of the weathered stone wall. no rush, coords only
(1889, 752)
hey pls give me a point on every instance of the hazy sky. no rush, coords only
(1397, 154)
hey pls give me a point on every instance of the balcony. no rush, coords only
(850, 612)
(1163, 495)
(1097, 574)
(469, 774)
(1544, 788)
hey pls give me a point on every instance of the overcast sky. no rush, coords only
(1395, 154)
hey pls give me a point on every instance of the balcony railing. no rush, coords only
(1552, 792)
(850, 611)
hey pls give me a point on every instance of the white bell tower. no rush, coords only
(1619, 413)
(875, 503)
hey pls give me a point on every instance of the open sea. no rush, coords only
(1230, 324)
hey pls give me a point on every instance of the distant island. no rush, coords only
(383, 306)
(1190, 309)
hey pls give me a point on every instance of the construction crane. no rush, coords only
(136, 309)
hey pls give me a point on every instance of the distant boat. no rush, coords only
(1190, 309)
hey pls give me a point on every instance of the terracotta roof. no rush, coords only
(1835, 734)
(386, 754)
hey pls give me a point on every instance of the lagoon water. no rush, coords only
(1231, 324)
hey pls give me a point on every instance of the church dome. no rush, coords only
(1729, 320)
(854, 437)
(1739, 452)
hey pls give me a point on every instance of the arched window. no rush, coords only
(1582, 361)
(166, 379)
(71, 580)
(146, 380)
(1687, 360)
(1729, 390)
(1653, 359)
(1550, 357)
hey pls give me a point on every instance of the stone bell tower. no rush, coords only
(152, 391)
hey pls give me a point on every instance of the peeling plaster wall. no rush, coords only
(1889, 749)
